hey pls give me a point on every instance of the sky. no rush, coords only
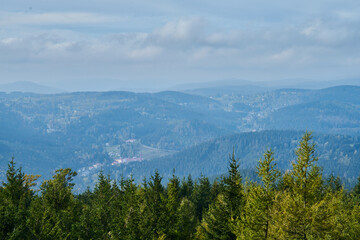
(114, 44)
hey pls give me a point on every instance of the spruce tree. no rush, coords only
(201, 196)
(227, 207)
(15, 198)
(54, 214)
(304, 207)
(187, 187)
(187, 221)
(233, 188)
(260, 200)
(102, 207)
(153, 209)
(216, 223)
(173, 203)
(131, 211)
(333, 184)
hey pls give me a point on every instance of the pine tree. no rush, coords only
(173, 203)
(304, 207)
(187, 221)
(201, 196)
(233, 188)
(131, 210)
(260, 200)
(187, 187)
(333, 184)
(227, 207)
(15, 198)
(153, 209)
(216, 223)
(54, 214)
(102, 207)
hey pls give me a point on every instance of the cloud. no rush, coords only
(202, 43)
(328, 33)
(185, 40)
(54, 18)
(283, 55)
(148, 52)
(181, 30)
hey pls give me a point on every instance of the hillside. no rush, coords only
(45, 132)
(86, 129)
(338, 154)
(331, 110)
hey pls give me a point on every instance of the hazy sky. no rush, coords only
(113, 43)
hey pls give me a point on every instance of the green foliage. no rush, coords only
(153, 210)
(102, 207)
(304, 207)
(217, 221)
(202, 196)
(187, 221)
(54, 214)
(260, 201)
(297, 205)
(357, 187)
(15, 199)
(233, 188)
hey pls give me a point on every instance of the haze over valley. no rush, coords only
(126, 133)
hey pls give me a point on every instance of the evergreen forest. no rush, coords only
(300, 203)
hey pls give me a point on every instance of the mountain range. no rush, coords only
(127, 132)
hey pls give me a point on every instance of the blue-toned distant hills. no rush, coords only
(190, 132)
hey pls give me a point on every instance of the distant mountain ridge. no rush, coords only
(86, 129)
(28, 87)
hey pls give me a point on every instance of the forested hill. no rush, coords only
(87, 131)
(338, 154)
(298, 204)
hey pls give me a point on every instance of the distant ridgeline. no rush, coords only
(127, 133)
(298, 204)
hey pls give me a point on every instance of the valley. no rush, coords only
(135, 133)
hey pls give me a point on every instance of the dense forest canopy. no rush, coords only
(299, 204)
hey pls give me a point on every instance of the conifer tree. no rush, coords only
(304, 207)
(226, 209)
(260, 200)
(15, 198)
(216, 223)
(102, 207)
(333, 184)
(53, 215)
(131, 211)
(187, 221)
(187, 187)
(201, 196)
(173, 203)
(154, 214)
(233, 188)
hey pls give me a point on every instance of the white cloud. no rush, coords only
(212, 45)
(181, 30)
(148, 52)
(283, 55)
(54, 18)
(331, 33)
(9, 41)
